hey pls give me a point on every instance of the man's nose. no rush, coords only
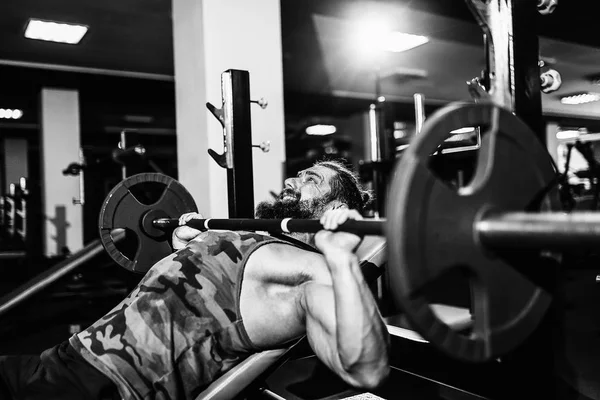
(291, 183)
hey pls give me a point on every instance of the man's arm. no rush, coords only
(343, 323)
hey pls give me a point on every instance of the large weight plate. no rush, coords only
(122, 209)
(430, 231)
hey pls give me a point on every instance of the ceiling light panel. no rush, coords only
(320, 130)
(581, 98)
(55, 31)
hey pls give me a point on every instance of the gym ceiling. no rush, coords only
(318, 53)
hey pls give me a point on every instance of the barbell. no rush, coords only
(431, 229)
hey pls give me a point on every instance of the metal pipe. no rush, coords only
(87, 70)
(238, 135)
(50, 276)
(419, 112)
(548, 231)
(374, 134)
(377, 149)
(228, 123)
(8, 255)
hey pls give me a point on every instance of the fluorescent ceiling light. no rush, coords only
(10, 114)
(320, 130)
(55, 31)
(581, 98)
(398, 42)
(463, 130)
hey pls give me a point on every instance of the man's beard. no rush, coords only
(289, 205)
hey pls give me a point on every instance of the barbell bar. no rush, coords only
(508, 230)
(546, 231)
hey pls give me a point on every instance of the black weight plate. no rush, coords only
(123, 210)
(430, 231)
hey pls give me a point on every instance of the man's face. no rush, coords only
(304, 196)
(311, 183)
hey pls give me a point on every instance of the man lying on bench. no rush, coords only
(221, 297)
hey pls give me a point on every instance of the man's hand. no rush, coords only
(327, 241)
(183, 234)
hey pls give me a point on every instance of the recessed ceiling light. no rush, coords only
(7, 113)
(320, 130)
(55, 31)
(581, 98)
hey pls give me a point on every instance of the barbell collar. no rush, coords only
(287, 225)
(546, 231)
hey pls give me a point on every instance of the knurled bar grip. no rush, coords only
(286, 225)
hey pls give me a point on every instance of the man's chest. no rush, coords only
(272, 287)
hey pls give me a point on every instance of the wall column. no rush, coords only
(60, 143)
(211, 36)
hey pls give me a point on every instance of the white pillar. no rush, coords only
(211, 36)
(63, 221)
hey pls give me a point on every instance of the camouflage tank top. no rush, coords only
(181, 327)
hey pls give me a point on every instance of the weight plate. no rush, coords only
(430, 231)
(123, 209)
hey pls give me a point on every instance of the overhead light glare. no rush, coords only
(6, 113)
(581, 98)
(459, 131)
(397, 42)
(320, 130)
(55, 31)
(373, 37)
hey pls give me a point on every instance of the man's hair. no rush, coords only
(346, 186)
